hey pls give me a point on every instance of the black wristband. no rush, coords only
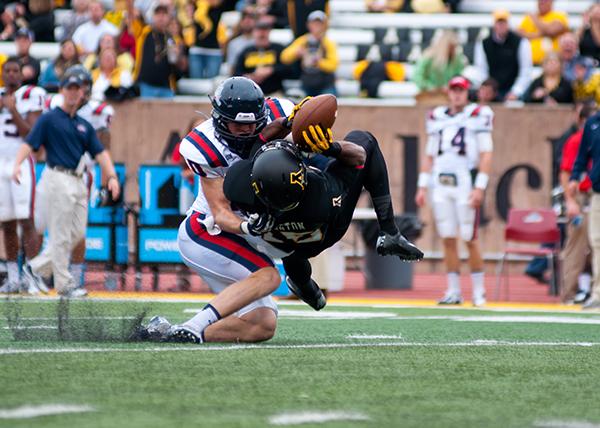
(334, 150)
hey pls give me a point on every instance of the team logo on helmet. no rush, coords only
(297, 178)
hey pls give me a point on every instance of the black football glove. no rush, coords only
(258, 224)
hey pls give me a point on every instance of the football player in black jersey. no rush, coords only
(313, 208)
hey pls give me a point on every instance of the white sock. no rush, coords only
(12, 268)
(585, 282)
(453, 283)
(477, 283)
(204, 318)
(77, 272)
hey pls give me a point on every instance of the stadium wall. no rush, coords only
(522, 160)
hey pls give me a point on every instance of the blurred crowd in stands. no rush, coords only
(141, 47)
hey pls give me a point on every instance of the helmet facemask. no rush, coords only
(239, 100)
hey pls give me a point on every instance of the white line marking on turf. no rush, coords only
(531, 319)
(341, 315)
(540, 319)
(242, 347)
(327, 315)
(78, 318)
(31, 327)
(25, 412)
(373, 336)
(315, 417)
(565, 424)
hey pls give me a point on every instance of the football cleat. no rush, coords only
(34, 283)
(10, 287)
(73, 293)
(451, 299)
(155, 331)
(591, 303)
(310, 293)
(397, 245)
(479, 300)
(581, 297)
(183, 334)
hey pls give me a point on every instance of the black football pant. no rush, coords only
(374, 178)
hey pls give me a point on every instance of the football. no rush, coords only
(319, 110)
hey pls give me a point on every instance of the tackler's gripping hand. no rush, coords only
(258, 224)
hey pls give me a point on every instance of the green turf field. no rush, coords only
(383, 367)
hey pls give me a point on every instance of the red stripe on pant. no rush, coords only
(227, 243)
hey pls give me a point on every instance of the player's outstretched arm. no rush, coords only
(276, 130)
(220, 207)
(320, 140)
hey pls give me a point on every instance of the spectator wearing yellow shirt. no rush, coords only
(317, 55)
(543, 30)
(586, 84)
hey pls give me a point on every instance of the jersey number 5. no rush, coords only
(7, 122)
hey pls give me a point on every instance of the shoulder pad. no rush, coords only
(197, 147)
(279, 107)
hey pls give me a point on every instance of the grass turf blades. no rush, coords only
(412, 386)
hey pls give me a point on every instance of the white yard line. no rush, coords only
(373, 336)
(317, 417)
(336, 315)
(242, 347)
(565, 424)
(341, 315)
(77, 318)
(31, 327)
(31, 411)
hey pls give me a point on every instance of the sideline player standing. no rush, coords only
(20, 108)
(66, 137)
(459, 141)
(99, 114)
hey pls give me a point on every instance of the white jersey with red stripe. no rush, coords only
(208, 155)
(98, 113)
(453, 140)
(29, 99)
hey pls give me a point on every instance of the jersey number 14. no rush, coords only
(457, 141)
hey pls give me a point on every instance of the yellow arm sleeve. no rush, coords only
(329, 63)
(395, 71)
(290, 54)
(359, 69)
(201, 17)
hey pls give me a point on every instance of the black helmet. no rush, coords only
(239, 99)
(80, 71)
(279, 175)
(82, 74)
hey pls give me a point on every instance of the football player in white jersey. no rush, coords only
(216, 242)
(20, 106)
(99, 114)
(459, 141)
